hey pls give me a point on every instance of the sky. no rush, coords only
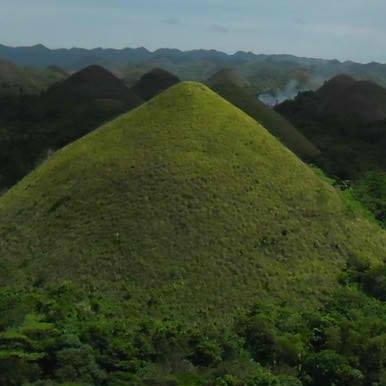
(332, 29)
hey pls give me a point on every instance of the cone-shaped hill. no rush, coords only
(234, 89)
(186, 206)
(92, 83)
(154, 82)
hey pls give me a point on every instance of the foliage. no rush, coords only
(92, 342)
(371, 191)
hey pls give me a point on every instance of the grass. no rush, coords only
(185, 207)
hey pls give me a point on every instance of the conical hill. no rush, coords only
(187, 207)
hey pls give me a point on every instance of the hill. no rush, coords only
(194, 205)
(154, 82)
(346, 119)
(345, 99)
(237, 91)
(91, 83)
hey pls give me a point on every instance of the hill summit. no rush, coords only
(187, 207)
(230, 85)
(92, 83)
(154, 82)
(226, 77)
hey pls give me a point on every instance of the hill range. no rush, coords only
(266, 73)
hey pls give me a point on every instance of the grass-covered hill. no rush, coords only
(346, 119)
(188, 208)
(154, 82)
(237, 91)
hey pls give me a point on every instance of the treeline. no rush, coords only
(64, 335)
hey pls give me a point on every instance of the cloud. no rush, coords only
(300, 21)
(219, 28)
(172, 21)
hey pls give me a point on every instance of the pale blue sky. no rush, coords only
(342, 29)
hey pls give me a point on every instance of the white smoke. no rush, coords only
(290, 91)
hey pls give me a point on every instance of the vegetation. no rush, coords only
(15, 80)
(371, 191)
(183, 245)
(61, 334)
(346, 120)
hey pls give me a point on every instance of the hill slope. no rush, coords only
(233, 88)
(187, 207)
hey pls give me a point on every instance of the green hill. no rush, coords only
(187, 207)
(234, 89)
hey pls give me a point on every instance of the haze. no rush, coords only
(345, 29)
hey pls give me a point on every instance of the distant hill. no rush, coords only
(154, 82)
(236, 90)
(187, 208)
(269, 74)
(65, 112)
(345, 99)
(91, 83)
(15, 80)
(346, 119)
